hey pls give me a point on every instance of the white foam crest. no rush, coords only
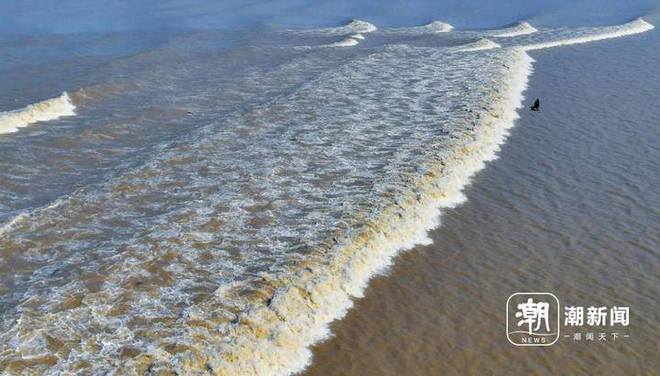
(21, 217)
(430, 28)
(299, 313)
(635, 27)
(436, 27)
(522, 28)
(8, 226)
(359, 26)
(49, 109)
(480, 45)
(346, 42)
(355, 26)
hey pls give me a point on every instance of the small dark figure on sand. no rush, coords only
(535, 106)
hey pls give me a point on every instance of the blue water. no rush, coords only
(40, 39)
(29, 17)
(45, 41)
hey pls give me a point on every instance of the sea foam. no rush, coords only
(299, 313)
(480, 45)
(434, 27)
(350, 41)
(354, 26)
(522, 28)
(49, 109)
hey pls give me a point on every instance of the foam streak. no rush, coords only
(631, 28)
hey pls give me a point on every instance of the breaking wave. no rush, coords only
(586, 35)
(49, 109)
(322, 186)
(353, 33)
(299, 313)
(521, 28)
(438, 27)
(353, 27)
(480, 45)
(434, 27)
(350, 41)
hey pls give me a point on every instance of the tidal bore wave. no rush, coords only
(49, 109)
(231, 250)
(274, 338)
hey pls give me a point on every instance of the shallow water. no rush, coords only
(208, 200)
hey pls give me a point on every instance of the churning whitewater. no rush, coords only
(49, 109)
(230, 248)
